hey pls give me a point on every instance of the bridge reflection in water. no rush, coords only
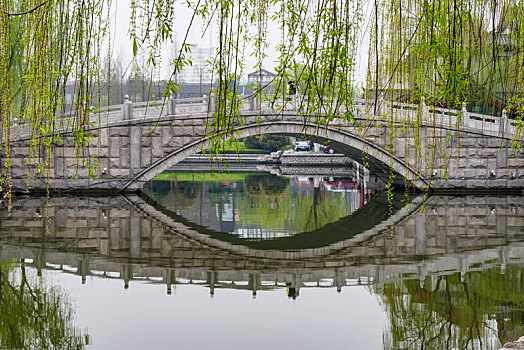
(432, 253)
(129, 238)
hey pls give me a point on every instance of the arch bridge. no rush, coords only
(402, 143)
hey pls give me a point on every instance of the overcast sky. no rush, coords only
(122, 45)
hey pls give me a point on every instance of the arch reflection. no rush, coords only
(266, 211)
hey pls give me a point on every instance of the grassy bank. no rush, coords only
(238, 147)
(202, 176)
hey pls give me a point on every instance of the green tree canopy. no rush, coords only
(271, 143)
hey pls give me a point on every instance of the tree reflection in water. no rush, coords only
(33, 314)
(180, 195)
(258, 206)
(483, 310)
(266, 185)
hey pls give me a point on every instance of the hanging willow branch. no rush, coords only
(46, 46)
(447, 52)
(28, 11)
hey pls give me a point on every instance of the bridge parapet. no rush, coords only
(362, 109)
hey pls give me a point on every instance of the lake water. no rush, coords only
(253, 260)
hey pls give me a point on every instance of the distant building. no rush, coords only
(261, 75)
(198, 72)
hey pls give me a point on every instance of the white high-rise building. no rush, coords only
(199, 72)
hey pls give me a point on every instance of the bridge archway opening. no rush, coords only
(378, 161)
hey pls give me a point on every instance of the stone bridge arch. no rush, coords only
(112, 236)
(379, 161)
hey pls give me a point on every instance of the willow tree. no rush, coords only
(450, 52)
(44, 45)
(447, 51)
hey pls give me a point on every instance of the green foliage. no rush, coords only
(139, 83)
(445, 51)
(111, 76)
(262, 200)
(266, 185)
(267, 142)
(252, 142)
(448, 51)
(44, 45)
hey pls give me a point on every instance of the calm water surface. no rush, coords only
(252, 260)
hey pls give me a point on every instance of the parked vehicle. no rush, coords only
(328, 149)
(302, 146)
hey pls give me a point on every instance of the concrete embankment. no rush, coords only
(277, 169)
(282, 158)
(287, 163)
(516, 345)
(314, 159)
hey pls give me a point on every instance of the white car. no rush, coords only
(302, 146)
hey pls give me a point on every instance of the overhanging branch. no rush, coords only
(26, 12)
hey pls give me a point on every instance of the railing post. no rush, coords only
(127, 109)
(424, 108)
(205, 101)
(211, 102)
(503, 121)
(464, 113)
(171, 106)
(251, 103)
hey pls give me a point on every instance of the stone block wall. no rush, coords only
(135, 150)
(449, 225)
